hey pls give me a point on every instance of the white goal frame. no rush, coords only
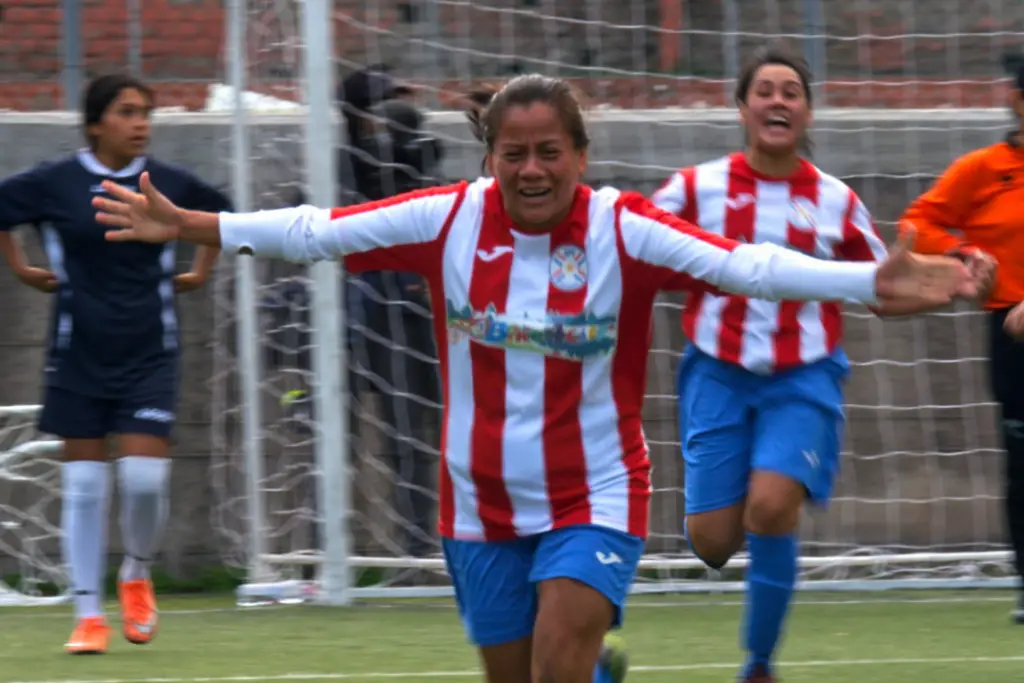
(263, 588)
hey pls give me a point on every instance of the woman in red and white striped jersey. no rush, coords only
(760, 384)
(543, 292)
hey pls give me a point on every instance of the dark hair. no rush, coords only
(488, 106)
(360, 91)
(101, 93)
(1013, 64)
(775, 54)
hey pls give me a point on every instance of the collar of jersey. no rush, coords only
(740, 166)
(93, 165)
(574, 223)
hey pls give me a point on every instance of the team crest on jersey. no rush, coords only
(801, 213)
(568, 268)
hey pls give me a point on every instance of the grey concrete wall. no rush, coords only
(922, 462)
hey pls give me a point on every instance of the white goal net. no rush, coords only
(900, 92)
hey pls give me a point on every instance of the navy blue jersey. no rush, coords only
(114, 320)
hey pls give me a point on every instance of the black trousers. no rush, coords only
(1007, 379)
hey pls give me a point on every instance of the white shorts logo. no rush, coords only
(568, 268)
(154, 415)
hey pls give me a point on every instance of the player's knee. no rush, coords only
(715, 536)
(773, 504)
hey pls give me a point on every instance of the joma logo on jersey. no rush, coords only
(740, 201)
(565, 336)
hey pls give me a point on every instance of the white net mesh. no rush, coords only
(919, 499)
(29, 510)
(920, 493)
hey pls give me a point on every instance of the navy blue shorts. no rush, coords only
(147, 409)
(733, 421)
(496, 581)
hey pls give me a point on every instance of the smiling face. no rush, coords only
(775, 110)
(536, 164)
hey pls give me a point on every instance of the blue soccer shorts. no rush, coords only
(733, 421)
(496, 581)
(147, 407)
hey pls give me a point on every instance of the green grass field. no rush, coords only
(940, 637)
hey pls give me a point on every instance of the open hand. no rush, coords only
(38, 278)
(1014, 323)
(144, 216)
(907, 280)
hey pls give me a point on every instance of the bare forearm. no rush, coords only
(204, 260)
(202, 228)
(12, 251)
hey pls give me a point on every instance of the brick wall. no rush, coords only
(870, 60)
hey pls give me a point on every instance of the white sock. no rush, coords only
(144, 508)
(86, 500)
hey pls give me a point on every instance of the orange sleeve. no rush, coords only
(945, 206)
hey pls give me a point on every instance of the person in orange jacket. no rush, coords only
(974, 210)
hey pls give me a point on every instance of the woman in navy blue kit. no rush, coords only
(113, 359)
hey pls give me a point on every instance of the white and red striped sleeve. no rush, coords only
(861, 241)
(678, 195)
(666, 245)
(400, 233)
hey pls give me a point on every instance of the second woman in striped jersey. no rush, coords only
(760, 384)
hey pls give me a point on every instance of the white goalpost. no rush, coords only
(321, 457)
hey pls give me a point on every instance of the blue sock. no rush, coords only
(771, 577)
(602, 674)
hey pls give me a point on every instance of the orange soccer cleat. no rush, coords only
(90, 637)
(138, 610)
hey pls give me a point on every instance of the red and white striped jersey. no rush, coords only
(811, 212)
(542, 337)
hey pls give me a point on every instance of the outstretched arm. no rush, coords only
(201, 196)
(385, 235)
(861, 242)
(669, 246)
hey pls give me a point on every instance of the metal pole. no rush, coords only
(730, 47)
(71, 52)
(135, 38)
(814, 47)
(329, 361)
(431, 58)
(245, 300)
